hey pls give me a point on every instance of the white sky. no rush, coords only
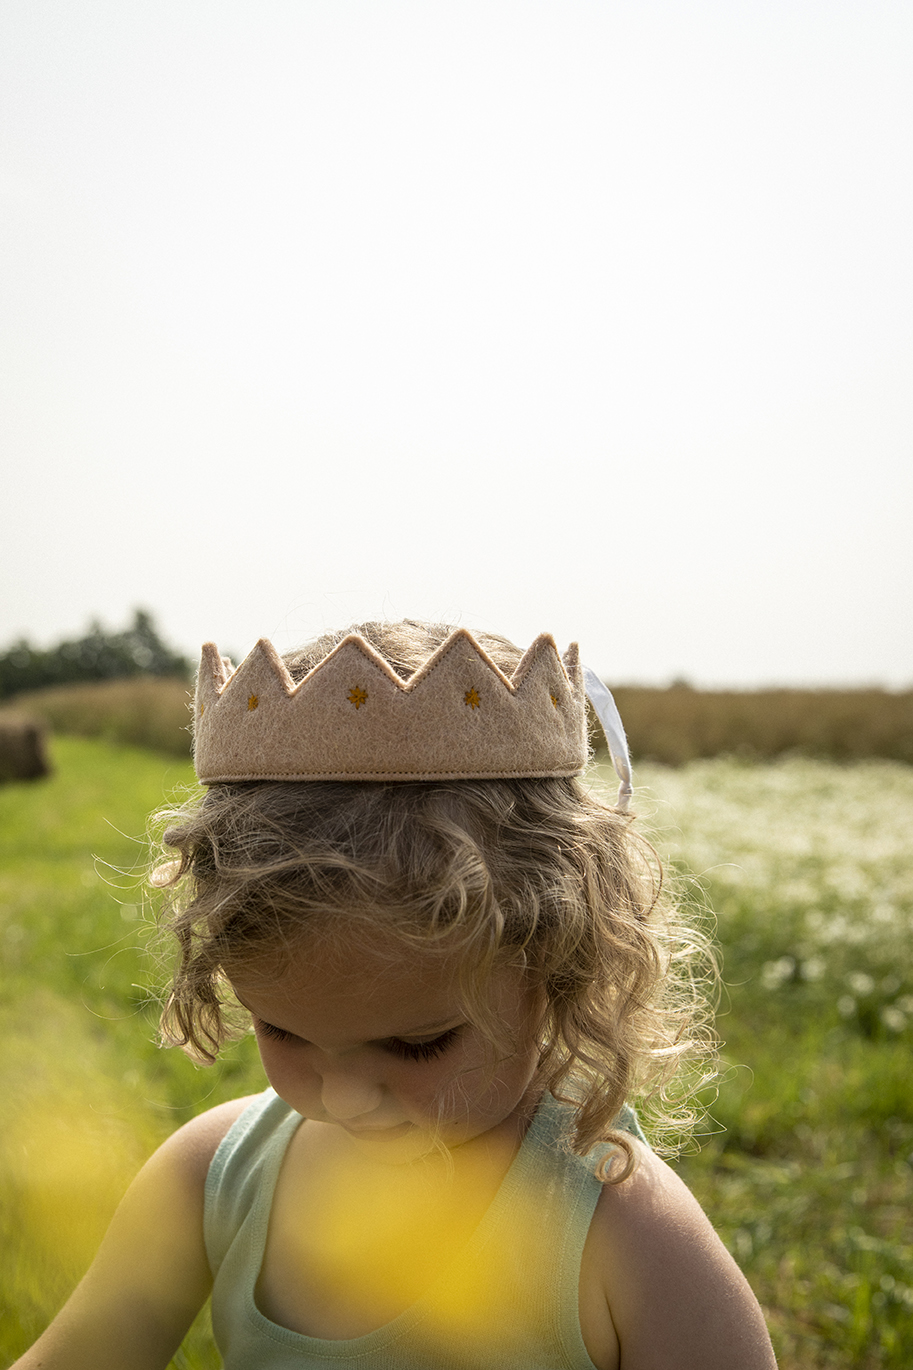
(538, 315)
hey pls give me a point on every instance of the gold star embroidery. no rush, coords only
(252, 702)
(357, 696)
(471, 697)
(554, 699)
(202, 710)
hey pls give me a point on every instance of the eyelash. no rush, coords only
(421, 1051)
(405, 1051)
(279, 1034)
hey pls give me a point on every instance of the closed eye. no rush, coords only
(421, 1051)
(396, 1046)
(277, 1033)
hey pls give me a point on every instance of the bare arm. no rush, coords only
(676, 1297)
(151, 1276)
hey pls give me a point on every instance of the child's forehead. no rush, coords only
(349, 974)
(356, 962)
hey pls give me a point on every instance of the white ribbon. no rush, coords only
(607, 713)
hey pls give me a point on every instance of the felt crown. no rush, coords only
(458, 717)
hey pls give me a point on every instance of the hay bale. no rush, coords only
(23, 755)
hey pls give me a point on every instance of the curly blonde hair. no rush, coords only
(538, 873)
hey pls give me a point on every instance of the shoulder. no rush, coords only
(156, 1236)
(173, 1180)
(674, 1293)
(190, 1150)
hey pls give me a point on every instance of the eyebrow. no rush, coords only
(440, 1025)
(424, 1030)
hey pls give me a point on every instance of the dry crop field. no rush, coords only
(670, 726)
(806, 1159)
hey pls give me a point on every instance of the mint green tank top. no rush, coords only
(509, 1301)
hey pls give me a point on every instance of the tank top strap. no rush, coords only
(537, 1227)
(246, 1164)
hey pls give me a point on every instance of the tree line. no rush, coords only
(99, 655)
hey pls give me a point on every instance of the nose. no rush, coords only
(346, 1096)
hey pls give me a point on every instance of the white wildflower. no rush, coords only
(830, 843)
(774, 973)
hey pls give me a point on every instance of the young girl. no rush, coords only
(459, 966)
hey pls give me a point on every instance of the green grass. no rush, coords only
(806, 1170)
(85, 1094)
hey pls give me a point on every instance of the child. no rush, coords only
(458, 965)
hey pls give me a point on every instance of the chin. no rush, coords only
(394, 1146)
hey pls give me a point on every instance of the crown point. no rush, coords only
(212, 665)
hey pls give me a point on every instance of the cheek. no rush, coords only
(418, 1083)
(486, 1079)
(287, 1067)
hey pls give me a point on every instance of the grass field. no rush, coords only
(805, 1169)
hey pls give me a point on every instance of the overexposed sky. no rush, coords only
(537, 315)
